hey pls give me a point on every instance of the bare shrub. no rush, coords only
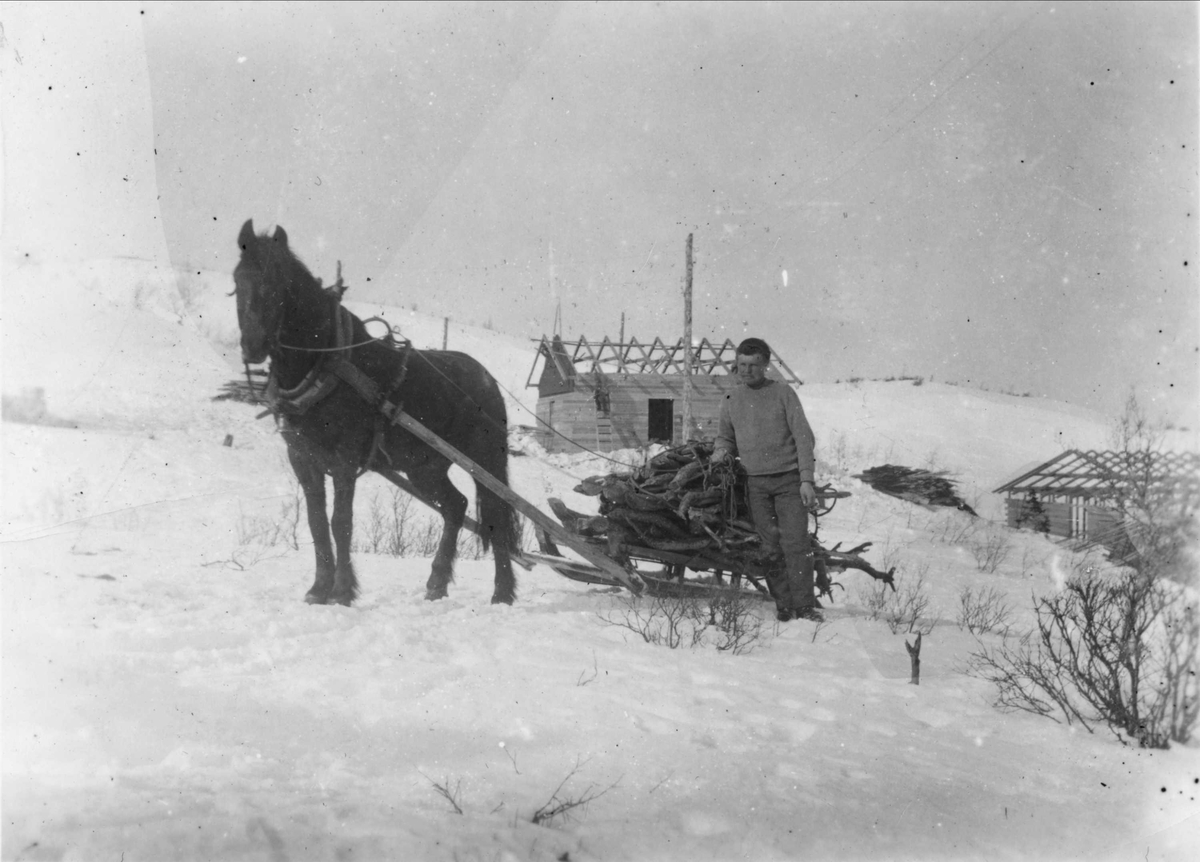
(256, 537)
(427, 534)
(958, 529)
(907, 608)
(983, 610)
(910, 607)
(451, 794)
(733, 623)
(562, 805)
(397, 526)
(668, 621)
(728, 620)
(990, 550)
(874, 597)
(470, 546)
(369, 537)
(391, 527)
(1118, 648)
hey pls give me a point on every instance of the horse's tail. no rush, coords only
(495, 514)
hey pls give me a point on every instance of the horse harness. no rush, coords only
(335, 367)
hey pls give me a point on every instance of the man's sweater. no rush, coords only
(767, 429)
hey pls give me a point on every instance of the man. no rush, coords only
(762, 422)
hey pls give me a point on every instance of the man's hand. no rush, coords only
(720, 456)
(808, 495)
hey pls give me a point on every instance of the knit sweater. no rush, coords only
(766, 427)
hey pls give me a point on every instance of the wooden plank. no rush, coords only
(550, 525)
(573, 569)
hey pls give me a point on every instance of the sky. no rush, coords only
(995, 194)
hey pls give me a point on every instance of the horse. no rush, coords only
(329, 377)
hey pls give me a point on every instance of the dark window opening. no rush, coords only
(662, 420)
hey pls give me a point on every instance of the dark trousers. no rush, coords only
(782, 522)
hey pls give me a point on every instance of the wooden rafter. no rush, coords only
(656, 357)
(1097, 474)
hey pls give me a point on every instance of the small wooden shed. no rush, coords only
(1074, 495)
(605, 395)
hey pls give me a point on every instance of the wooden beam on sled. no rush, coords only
(628, 579)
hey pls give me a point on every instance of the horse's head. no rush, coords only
(260, 287)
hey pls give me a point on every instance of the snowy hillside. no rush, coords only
(168, 695)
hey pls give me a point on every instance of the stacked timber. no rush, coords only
(681, 502)
(248, 390)
(916, 486)
(678, 501)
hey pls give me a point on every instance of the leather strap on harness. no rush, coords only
(336, 367)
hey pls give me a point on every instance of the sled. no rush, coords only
(639, 569)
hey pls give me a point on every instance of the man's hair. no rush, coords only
(752, 346)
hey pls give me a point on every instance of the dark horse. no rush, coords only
(325, 373)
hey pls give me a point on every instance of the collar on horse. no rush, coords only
(333, 367)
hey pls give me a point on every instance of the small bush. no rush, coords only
(983, 611)
(733, 623)
(389, 528)
(564, 805)
(956, 528)
(728, 620)
(1117, 651)
(990, 550)
(908, 608)
(396, 525)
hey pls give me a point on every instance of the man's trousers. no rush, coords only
(782, 521)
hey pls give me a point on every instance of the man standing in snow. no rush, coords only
(763, 423)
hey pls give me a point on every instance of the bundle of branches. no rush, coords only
(682, 502)
(916, 486)
(678, 501)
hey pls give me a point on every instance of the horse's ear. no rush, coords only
(246, 238)
(280, 235)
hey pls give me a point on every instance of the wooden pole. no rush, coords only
(551, 526)
(621, 345)
(687, 347)
(914, 658)
(445, 332)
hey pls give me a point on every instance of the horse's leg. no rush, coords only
(345, 582)
(312, 482)
(440, 492)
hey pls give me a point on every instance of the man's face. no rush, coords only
(752, 370)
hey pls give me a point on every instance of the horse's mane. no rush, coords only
(277, 260)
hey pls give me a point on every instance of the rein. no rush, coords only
(386, 338)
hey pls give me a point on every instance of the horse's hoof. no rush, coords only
(434, 595)
(344, 601)
(316, 599)
(502, 600)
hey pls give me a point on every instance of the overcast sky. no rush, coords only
(1002, 194)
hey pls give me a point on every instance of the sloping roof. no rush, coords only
(1099, 474)
(654, 357)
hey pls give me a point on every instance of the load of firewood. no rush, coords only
(916, 486)
(682, 502)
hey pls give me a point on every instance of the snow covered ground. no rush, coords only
(168, 695)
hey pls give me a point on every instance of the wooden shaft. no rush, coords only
(600, 561)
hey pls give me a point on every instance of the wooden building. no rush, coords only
(605, 395)
(1075, 494)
